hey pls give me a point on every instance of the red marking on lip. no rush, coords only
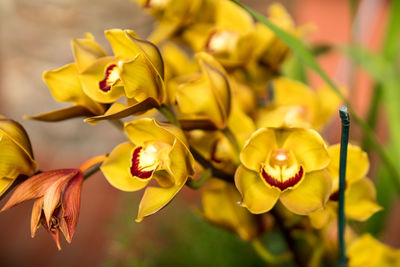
(105, 85)
(292, 181)
(135, 171)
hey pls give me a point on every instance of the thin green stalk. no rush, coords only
(308, 59)
(91, 171)
(196, 184)
(345, 119)
(267, 256)
(169, 115)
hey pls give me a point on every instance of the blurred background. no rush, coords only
(35, 36)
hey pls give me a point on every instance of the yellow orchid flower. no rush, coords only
(174, 16)
(286, 164)
(157, 150)
(366, 251)
(16, 156)
(230, 39)
(360, 194)
(136, 71)
(65, 85)
(57, 201)
(204, 100)
(297, 105)
(220, 207)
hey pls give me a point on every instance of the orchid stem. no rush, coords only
(196, 184)
(169, 115)
(91, 162)
(267, 256)
(93, 170)
(345, 119)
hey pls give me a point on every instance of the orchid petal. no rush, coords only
(86, 51)
(308, 147)
(257, 148)
(310, 195)
(361, 200)
(155, 198)
(62, 114)
(116, 169)
(257, 196)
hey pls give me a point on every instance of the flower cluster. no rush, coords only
(221, 117)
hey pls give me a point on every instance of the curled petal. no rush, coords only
(361, 200)
(257, 196)
(257, 148)
(119, 111)
(181, 162)
(62, 114)
(140, 79)
(86, 51)
(143, 130)
(307, 145)
(310, 195)
(36, 215)
(35, 187)
(71, 205)
(154, 199)
(116, 169)
(53, 196)
(65, 86)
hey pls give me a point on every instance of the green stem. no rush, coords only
(196, 184)
(169, 115)
(345, 119)
(267, 256)
(217, 173)
(91, 171)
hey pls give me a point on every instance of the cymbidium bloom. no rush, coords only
(136, 71)
(230, 39)
(204, 99)
(286, 164)
(65, 86)
(57, 201)
(16, 156)
(360, 194)
(369, 252)
(174, 16)
(219, 200)
(96, 80)
(294, 104)
(157, 151)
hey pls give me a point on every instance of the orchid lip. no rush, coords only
(135, 169)
(111, 76)
(283, 184)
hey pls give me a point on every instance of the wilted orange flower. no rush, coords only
(57, 197)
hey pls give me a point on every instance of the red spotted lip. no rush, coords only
(104, 84)
(282, 185)
(135, 170)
